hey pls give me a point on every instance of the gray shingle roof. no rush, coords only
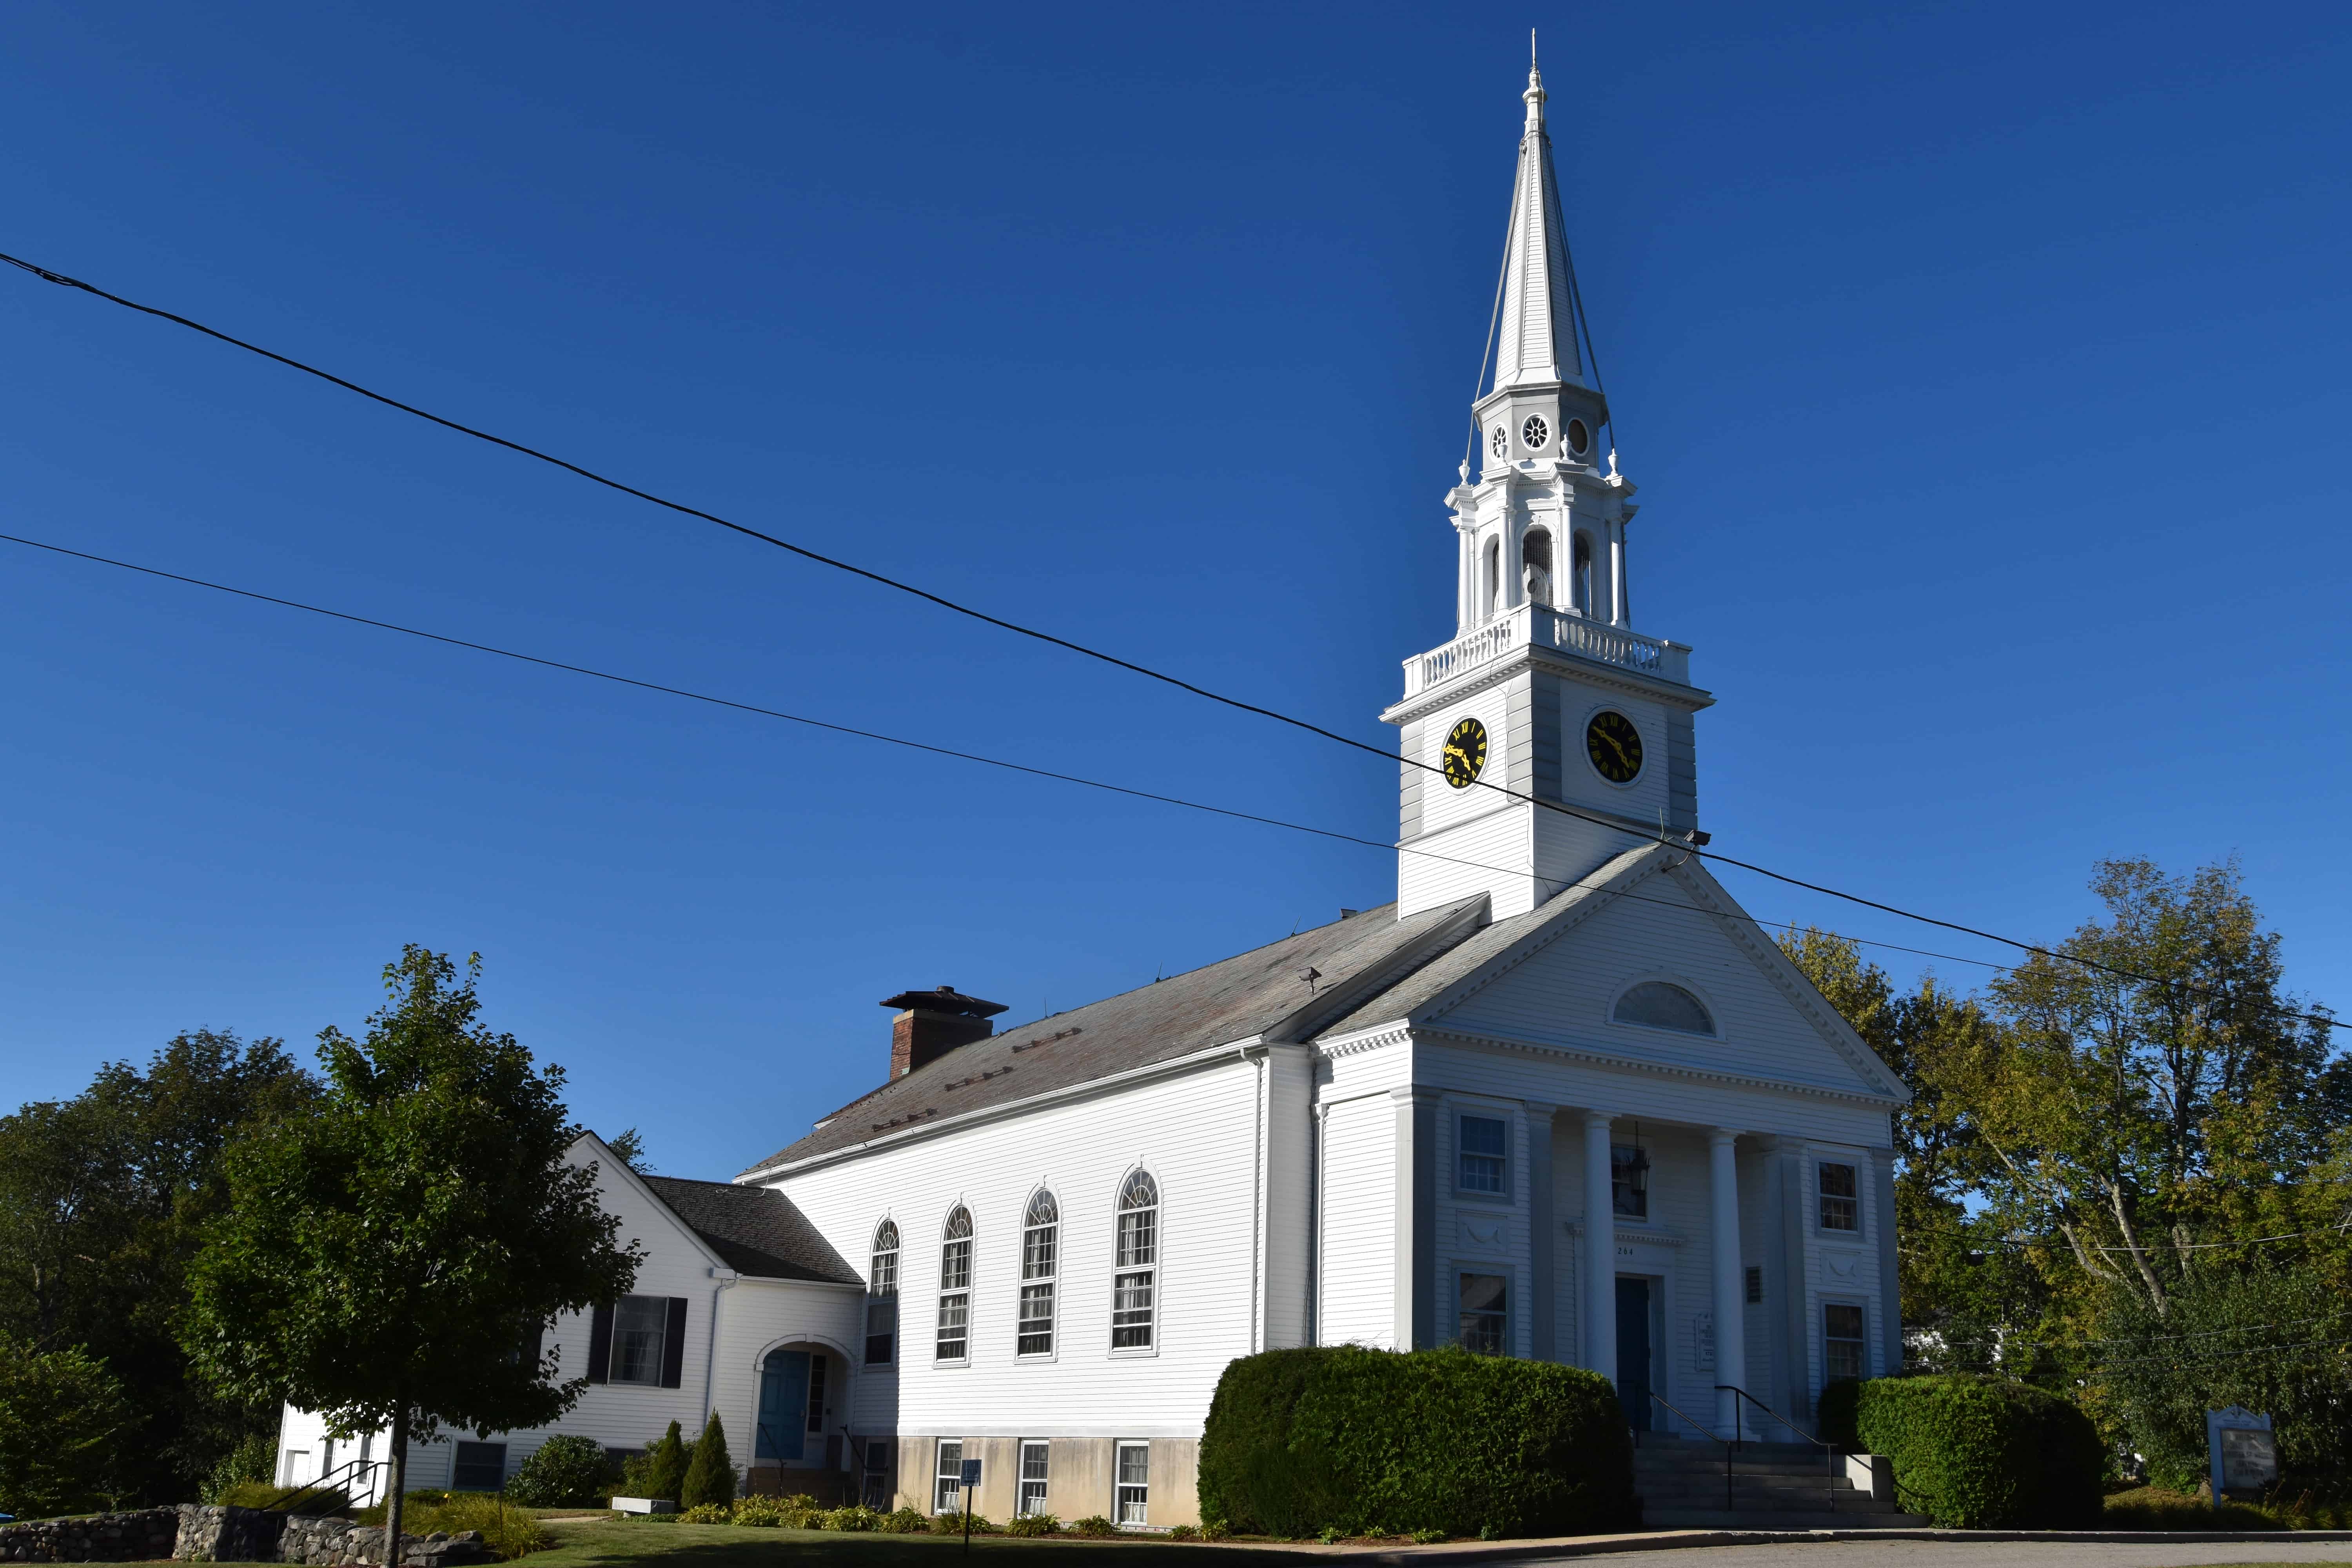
(756, 1230)
(1426, 984)
(1255, 994)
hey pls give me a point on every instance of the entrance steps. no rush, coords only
(1773, 1486)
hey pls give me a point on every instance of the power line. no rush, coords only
(62, 280)
(823, 724)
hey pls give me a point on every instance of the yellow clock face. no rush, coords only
(1466, 752)
(1614, 746)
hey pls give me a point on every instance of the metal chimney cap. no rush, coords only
(944, 999)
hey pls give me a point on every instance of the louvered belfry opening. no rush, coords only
(932, 1023)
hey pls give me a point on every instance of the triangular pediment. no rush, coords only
(1552, 978)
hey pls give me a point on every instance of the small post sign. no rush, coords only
(2244, 1457)
(969, 1484)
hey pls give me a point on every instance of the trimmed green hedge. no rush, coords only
(1973, 1452)
(1366, 1440)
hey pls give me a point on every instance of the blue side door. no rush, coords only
(783, 1405)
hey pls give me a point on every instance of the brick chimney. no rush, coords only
(930, 1024)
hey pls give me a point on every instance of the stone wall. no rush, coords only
(204, 1532)
(144, 1536)
(216, 1533)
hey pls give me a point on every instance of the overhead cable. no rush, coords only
(64, 281)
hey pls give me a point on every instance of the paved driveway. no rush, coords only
(1969, 1554)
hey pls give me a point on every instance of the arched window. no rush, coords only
(1535, 550)
(954, 1342)
(1135, 1283)
(1579, 573)
(1490, 598)
(882, 1296)
(1656, 1004)
(1040, 1235)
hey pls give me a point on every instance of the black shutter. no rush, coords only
(674, 1344)
(534, 1345)
(599, 1344)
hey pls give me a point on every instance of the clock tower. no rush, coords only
(1545, 688)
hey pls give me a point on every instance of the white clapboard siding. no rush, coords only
(622, 1416)
(1455, 861)
(1564, 994)
(1644, 799)
(1197, 1133)
(1443, 806)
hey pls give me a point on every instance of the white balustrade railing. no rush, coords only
(1540, 626)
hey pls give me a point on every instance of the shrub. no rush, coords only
(905, 1522)
(857, 1516)
(1094, 1525)
(1444, 1439)
(261, 1494)
(1974, 1452)
(711, 1475)
(1214, 1530)
(956, 1524)
(1427, 1537)
(61, 1413)
(1043, 1524)
(563, 1472)
(509, 1531)
(1183, 1533)
(660, 1470)
(707, 1513)
(756, 1509)
(2157, 1508)
(255, 1458)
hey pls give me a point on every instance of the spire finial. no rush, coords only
(1531, 48)
(1535, 93)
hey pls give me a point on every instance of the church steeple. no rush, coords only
(1537, 330)
(1546, 687)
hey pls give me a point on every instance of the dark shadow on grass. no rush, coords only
(738, 1546)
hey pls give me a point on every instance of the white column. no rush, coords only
(1730, 1282)
(1465, 606)
(1599, 1251)
(1617, 615)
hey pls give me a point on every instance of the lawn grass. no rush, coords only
(618, 1543)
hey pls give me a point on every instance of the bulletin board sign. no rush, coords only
(2242, 1451)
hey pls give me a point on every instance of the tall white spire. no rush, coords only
(1538, 341)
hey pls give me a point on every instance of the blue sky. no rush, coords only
(1981, 367)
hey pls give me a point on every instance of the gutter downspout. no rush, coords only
(725, 1278)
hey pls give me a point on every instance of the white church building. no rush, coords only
(1562, 1099)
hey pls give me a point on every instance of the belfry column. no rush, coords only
(1730, 1283)
(1600, 1250)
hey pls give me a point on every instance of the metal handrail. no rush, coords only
(328, 1482)
(1728, 1449)
(1828, 1450)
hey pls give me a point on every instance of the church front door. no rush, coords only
(1634, 1349)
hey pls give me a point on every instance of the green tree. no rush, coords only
(665, 1465)
(710, 1477)
(103, 1198)
(386, 1259)
(62, 1421)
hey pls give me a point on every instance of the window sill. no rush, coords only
(951, 1362)
(1133, 1353)
(1487, 1200)
(1038, 1355)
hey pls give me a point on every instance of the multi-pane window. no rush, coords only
(1840, 1208)
(1480, 1163)
(1842, 1341)
(882, 1296)
(816, 1394)
(480, 1468)
(1135, 1295)
(947, 1486)
(1629, 1181)
(1134, 1501)
(954, 1342)
(640, 1328)
(1483, 1317)
(1040, 1236)
(1034, 1457)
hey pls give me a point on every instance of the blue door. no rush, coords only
(783, 1405)
(1633, 1351)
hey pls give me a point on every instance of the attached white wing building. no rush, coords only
(1563, 1100)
